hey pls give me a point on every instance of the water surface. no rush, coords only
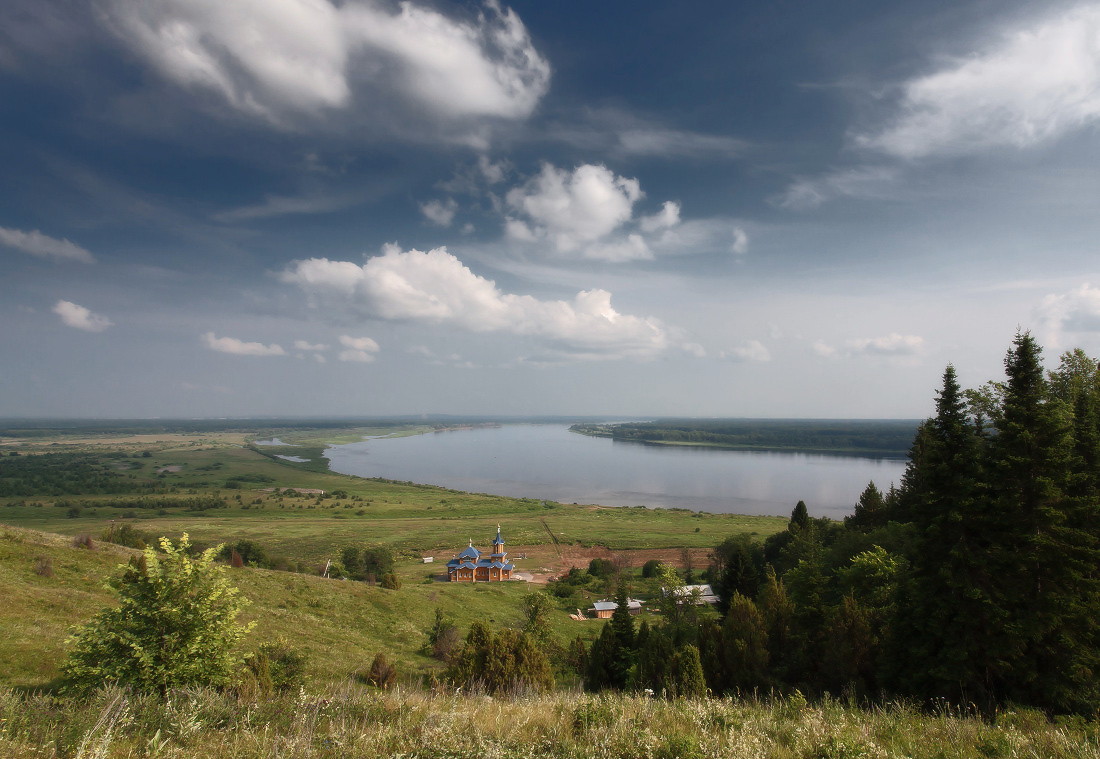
(551, 463)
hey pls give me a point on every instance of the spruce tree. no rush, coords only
(1048, 578)
(949, 638)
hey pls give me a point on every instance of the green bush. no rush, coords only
(175, 626)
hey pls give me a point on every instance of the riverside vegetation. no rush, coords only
(953, 616)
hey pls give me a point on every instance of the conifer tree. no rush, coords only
(944, 637)
(1048, 579)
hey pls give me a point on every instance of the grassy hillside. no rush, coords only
(340, 624)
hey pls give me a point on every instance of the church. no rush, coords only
(468, 566)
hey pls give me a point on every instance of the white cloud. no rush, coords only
(1035, 84)
(578, 207)
(240, 348)
(439, 212)
(890, 345)
(1076, 311)
(694, 349)
(630, 248)
(79, 317)
(668, 216)
(320, 359)
(492, 172)
(436, 288)
(274, 58)
(304, 345)
(823, 349)
(518, 230)
(753, 351)
(43, 246)
(740, 244)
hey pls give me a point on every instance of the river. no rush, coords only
(547, 461)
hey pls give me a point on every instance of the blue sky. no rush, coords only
(303, 207)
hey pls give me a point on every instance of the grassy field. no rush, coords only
(413, 519)
(354, 721)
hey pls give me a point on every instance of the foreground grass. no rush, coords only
(354, 721)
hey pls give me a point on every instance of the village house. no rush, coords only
(469, 566)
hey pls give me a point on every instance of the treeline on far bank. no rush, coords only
(976, 581)
(874, 437)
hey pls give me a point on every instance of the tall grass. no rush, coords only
(354, 721)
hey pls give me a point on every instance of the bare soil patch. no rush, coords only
(543, 561)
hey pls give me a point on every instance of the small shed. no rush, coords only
(604, 609)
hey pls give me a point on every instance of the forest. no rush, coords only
(867, 437)
(975, 582)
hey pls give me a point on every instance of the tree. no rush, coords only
(735, 566)
(175, 626)
(745, 635)
(870, 510)
(950, 632)
(536, 615)
(1048, 577)
(689, 680)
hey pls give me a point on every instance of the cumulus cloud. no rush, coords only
(279, 58)
(44, 246)
(1077, 310)
(823, 349)
(578, 207)
(240, 348)
(1035, 84)
(305, 345)
(79, 317)
(440, 212)
(436, 288)
(668, 216)
(753, 351)
(359, 349)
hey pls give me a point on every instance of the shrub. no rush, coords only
(43, 566)
(390, 581)
(124, 535)
(73, 512)
(382, 673)
(175, 626)
(649, 569)
(84, 541)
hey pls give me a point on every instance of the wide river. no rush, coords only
(548, 462)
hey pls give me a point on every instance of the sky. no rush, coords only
(366, 208)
